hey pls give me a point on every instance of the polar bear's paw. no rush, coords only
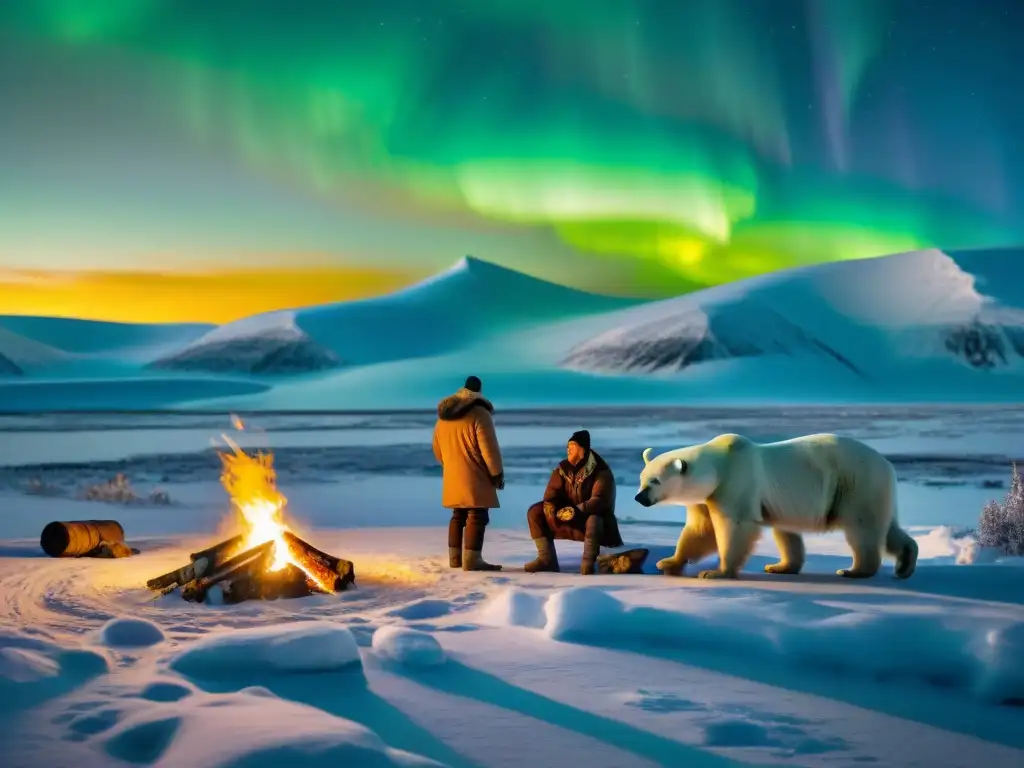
(788, 569)
(670, 566)
(853, 573)
(716, 574)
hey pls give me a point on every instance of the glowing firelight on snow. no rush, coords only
(251, 482)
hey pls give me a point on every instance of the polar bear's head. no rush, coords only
(683, 476)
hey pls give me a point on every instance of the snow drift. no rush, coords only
(306, 646)
(927, 649)
(410, 647)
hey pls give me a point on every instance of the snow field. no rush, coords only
(851, 640)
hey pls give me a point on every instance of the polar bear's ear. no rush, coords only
(647, 456)
(679, 466)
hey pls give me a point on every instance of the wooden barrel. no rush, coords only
(78, 537)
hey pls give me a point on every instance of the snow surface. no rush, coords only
(424, 665)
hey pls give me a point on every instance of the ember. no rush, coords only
(266, 561)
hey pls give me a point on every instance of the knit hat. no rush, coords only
(473, 384)
(581, 438)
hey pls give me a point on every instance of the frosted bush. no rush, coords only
(1002, 524)
(37, 486)
(119, 491)
(159, 496)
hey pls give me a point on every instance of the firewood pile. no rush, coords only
(233, 573)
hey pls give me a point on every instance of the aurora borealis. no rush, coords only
(337, 149)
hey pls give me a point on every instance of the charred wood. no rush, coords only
(203, 562)
(249, 562)
(331, 572)
(289, 582)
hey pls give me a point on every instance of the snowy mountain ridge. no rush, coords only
(469, 301)
(866, 316)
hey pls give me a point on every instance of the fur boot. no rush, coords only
(547, 557)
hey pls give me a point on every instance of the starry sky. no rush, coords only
(171, 160)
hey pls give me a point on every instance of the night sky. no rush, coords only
(206, 159)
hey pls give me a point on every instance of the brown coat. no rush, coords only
(590, 489)
(466, 447)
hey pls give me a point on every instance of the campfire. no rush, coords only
(266, 561)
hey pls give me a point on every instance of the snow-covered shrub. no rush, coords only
(37, 486)
(159, 496)
(1002, 524)
(119, 491)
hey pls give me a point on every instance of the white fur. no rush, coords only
(733, 487)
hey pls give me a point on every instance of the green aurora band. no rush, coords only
(671, 144)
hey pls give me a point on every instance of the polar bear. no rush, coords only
(732, 487)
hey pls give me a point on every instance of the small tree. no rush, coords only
(1002, 525)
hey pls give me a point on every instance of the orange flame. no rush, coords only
(251, 482)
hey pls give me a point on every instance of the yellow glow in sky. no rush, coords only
(195, 297)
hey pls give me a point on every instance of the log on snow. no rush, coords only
(330, 572)
(77, 538)
(251, 561)
(202, 563)
(630, 561)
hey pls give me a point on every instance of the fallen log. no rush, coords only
(251, 561)
(203, 562)
(220, 552)
(77, 538)
(330, 572)
(287, 583)
(630, 561)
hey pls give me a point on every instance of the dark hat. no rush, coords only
(473, 384)
(581, 438)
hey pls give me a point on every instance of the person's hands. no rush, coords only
(565, 514)
(499, 481)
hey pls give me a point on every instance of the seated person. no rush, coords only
(578, 505)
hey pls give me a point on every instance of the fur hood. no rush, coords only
(458, 405)
(592, 463)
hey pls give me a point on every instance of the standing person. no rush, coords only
(578, 505)
(466, 447)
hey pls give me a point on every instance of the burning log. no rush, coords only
(252, 561)
(80, 538)
(329, 572)
(289, 582)
(203, 562)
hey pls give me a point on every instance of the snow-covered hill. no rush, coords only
(471, 301)
(269, 344)
(9, 368)
(19, 354)
(923, 326)
(94, 337)
(871, 318)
